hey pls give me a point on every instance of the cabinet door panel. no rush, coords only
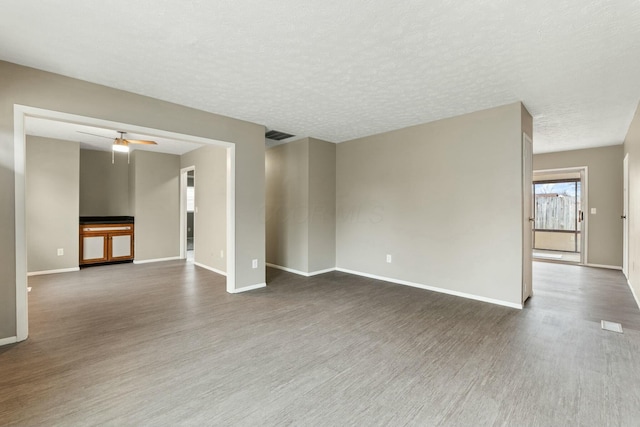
(93, 248)
(121, 245)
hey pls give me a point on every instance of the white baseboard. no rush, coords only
(146, 261)
(301, 273)
(610, 267)
(60, 270)
(326, 270)
(635, 296)
(8, 340)
(206, 267)
(433, 288)
(249, 288)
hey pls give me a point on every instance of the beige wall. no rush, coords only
(131, 189)
(322, 205)
(104, 186)
(287, 205)
(632, 147)
(604, 193)
(51, 203)
(157, 205)
(210, 222)
(433, 196)
(35, 88)
(301, 205)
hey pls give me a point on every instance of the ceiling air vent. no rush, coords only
(277, 135)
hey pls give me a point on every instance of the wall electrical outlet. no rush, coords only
(60, 251)
(254, 263)
(389, 258)
(593, 211)
(221, 254)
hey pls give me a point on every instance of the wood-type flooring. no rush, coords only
(164, 344)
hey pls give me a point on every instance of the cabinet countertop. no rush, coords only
(106, 220)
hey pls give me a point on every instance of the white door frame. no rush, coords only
(528, 214)
(625, 216)
(183, 210)
(584, 177)
(20, 114)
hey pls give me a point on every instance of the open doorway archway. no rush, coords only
(21, 113)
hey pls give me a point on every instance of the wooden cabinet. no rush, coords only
(101, 243)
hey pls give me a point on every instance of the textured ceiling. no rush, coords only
(338, 70)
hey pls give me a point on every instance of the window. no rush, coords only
(557, 215)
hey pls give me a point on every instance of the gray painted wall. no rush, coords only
(104, 186)
(52, 175)
(443, 198)
(210, 225)
(632, 147)
(605, 194)
(301, 205)
(157, 205)
(28, 86)
(322, 205)
(287, 205)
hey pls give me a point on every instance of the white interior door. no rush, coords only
(625, 216)
(528, 216)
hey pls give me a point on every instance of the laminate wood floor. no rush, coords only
(164, 344)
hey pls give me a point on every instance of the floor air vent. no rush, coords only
(611, 326)
(277, 135)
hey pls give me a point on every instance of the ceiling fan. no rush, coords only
(120, 143)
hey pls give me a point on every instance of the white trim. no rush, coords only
(60, 270)
(20, 112)
(231, 219)
(585, 208)
(248, 288)
(326, 270)
(206, 267)
(634, 293)
(625, 213)
(147, 261)
(610, 267)
(183, 209)
(433, 288)
(19, 157)
(527, 226)
(559, 170)
(8, 340)
(301, 273)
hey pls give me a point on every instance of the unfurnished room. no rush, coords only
(320, 213)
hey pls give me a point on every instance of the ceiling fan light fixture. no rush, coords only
(121, 148)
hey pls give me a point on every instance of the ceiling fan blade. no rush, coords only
(101, 136)
(139, 141)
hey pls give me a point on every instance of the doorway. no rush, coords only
(21, 113)
(624, 216)
(187, 213)
(560, 227)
